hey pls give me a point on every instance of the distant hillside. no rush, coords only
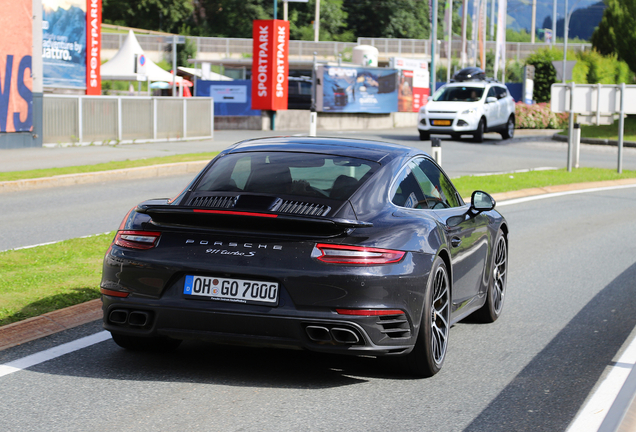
(582, 23)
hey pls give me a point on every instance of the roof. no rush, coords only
(122, 65)
(375, 151)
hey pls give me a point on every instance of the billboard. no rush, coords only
(94, 45)
(357, 89)
(64, 43)
(16, 84)
(270, 67)
(414, 80)
(231, 98)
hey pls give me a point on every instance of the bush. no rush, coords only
(538, 116)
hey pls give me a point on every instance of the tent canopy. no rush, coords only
(122, 66)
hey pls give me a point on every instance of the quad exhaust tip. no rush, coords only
(338, 335)
(131, 318)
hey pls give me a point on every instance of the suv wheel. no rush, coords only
(509, 131)
(424, 136)
(478, 136)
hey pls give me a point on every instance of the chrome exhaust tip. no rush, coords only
(118, 316)
(344, 336)
(138, 318)
(318, 333)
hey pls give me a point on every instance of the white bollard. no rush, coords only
(313, 121)
(436, 150)
(576, 140)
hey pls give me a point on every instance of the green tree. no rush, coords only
(229, 18)
(333, 21)
(161, 15)
(615, 33)
(389, 19)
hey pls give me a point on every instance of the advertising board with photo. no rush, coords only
(64, 43)
(357, 89)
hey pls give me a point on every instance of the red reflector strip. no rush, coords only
(236, 213)
(370, 312)
(113, 293)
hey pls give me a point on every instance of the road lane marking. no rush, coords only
(558, 194)
(51, 353)
(591, 416)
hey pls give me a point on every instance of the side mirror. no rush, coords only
(491, 99)
(480, 202)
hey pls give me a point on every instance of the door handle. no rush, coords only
(456, 241)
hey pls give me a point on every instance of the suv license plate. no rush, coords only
(232, 290)
(441, 122)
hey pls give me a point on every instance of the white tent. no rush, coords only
(211, 76)
(124, 64)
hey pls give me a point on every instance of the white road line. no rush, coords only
(558, 194)
(54, 242)
(50, 354)
(590, 417)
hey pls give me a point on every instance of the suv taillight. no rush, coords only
(137, 239)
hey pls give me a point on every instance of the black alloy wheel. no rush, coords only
(429, 352)
(491, 310)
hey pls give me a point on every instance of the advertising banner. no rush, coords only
(357, 90)
(421, 88)
(231, 98)
(16, 40)
(64, 43)
(270, 67)
(94, 44)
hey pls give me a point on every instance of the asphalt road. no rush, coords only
(46, 215)
(568, 310)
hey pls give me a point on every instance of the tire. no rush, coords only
(429, 352)
(496, 294)
(456, 136)
(424, 136)
(478, 136)
(137, 343)
(509, 131)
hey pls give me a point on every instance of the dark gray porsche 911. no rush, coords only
(332, 245)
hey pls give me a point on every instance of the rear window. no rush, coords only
(288, 173)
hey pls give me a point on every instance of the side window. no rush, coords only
(446, 195)
(502, 92)
(491, 92)
(416, 190)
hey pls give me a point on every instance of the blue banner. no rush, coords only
(358, 90)
(231, 98)
(64, 44)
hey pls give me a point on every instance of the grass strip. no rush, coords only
(609, 132)
(107, 166)
(50, 277)
(535, 179)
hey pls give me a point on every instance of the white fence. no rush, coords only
(83, 120)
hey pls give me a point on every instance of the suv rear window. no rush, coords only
(288, 173)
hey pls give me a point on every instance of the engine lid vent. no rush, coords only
(213, 201)
(302, 208)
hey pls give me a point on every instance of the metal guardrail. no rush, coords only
(417, 48)
(83, 120)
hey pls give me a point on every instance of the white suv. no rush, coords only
(468, 108)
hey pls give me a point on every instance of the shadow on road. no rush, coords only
(555, 383)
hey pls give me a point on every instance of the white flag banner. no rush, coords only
(500, 48)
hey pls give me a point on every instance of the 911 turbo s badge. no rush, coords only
(233, 253)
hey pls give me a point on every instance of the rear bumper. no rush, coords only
(323, 331)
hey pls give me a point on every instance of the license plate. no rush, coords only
(232, 290)
(441, 122)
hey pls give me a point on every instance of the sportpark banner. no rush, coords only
(357, 89)
(94, 44)
(270, 67)
(16, 85)
(64, 43)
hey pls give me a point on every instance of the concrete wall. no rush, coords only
(299, 120)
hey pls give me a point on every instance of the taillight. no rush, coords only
(114, 293)
(357, 255)
(137, 239)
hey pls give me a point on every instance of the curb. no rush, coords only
(103, 176)
(53, 322)
(562, 138)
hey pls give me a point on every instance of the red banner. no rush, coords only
(270, 67)
(93, 47)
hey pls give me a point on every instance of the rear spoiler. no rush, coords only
(247, 220)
